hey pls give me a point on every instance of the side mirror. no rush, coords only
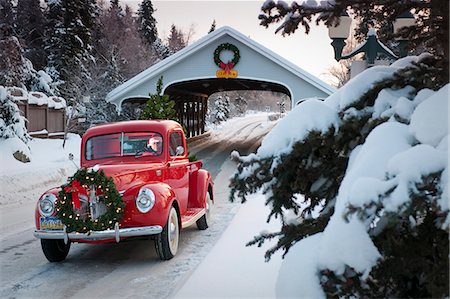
(179, 151)
(71, 159)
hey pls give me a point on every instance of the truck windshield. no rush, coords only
(124, 144)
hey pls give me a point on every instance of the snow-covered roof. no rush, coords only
(36, 98)
(120, 92)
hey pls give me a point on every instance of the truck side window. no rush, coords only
(176, 140)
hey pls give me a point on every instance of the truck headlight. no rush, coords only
(145, 200)
(47, 204)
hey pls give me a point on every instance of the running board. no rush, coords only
(191, 216)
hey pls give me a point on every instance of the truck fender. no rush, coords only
(199, 185)
(164, 199)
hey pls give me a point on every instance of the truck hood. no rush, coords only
(128, 175)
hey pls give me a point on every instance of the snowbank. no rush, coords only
(49, 166)
(231, 270)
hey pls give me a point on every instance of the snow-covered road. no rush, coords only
(128, 269)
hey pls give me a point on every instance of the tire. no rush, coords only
(166, 242)
(55, 250)
(205, 220)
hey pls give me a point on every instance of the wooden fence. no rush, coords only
(42, 121)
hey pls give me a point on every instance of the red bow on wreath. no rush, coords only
(75, 188)
(226, 66)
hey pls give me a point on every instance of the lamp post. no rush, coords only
(371, 46)
(406, 19)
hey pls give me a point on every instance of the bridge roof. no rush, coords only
(195, 62)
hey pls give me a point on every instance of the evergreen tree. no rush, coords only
(30, 24)
(414, 256)
(413, 239)
(213, 26)
(6, 14)
(147, 23)
(221, 110)
(114, 5)
(15, 70)
(176, 39)
(69, 46)
(159, 106)
(148, 30)
(12, 123)
(240, 106)
(161, 49)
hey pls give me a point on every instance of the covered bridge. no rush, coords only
(223, 60)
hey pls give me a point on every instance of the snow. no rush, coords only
(36, 97)
(315, 116)
(429, 122)
(292, 280)
(7, 148)
(231, 269)
(267, 4)
(409, 167)
(409, 60)
(49, 165)
(388, 99)
(357, 86)
(248, 127)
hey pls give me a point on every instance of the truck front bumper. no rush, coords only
(115, 233)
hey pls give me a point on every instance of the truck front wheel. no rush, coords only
(166, 242)
(55, 250)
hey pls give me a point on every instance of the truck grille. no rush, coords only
(91, 209)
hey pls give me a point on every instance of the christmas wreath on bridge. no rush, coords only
(230, 64)
(89, 185)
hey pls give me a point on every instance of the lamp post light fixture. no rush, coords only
(371, 46)
(339, 34)
(406, 19)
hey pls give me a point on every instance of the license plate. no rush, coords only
(51, 223)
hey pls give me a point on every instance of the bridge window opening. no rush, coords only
(228, 104)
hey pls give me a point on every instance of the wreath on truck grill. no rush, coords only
(89, 202)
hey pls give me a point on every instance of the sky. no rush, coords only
(311, 52)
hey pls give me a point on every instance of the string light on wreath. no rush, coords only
(81, 184)
(226, 67)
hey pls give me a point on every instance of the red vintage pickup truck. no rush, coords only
(158, 190)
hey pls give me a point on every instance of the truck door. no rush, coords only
(178, 172)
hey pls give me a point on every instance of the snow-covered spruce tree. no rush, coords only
(147, 23)
(30, 25)
(15, 70)
(68, 31)
(240, 106)
(6, 13)
(148, 30)
(359, 174)
(221, 110)
(12, 123)
(159, 106)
